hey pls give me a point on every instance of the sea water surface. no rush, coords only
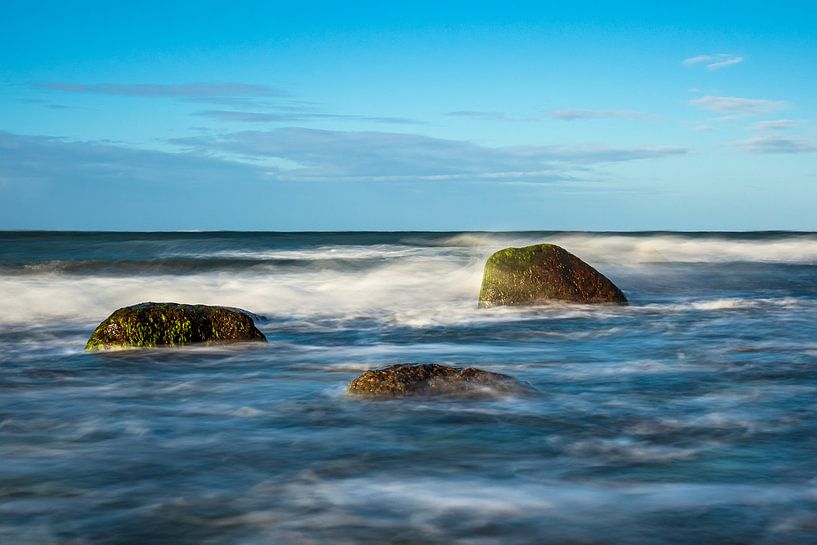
(689, 416)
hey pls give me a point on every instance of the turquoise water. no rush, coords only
(688, 417)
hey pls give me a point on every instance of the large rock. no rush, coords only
(172, 324)
(433, 379)
(543, 273)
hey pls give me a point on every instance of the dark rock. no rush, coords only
(543, 273)
(172, 324)
(433, 379)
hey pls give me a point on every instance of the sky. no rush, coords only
(326, 116)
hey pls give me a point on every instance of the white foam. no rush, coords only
(480, 499)
(414, 286)
(627, 449)
(727, 303)
(399, 288)
(376, 251)
(627, 249)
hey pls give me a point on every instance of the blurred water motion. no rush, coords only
(688, 417)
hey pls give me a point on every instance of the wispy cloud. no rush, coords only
(324, 154)
(738, 106)
(562, 115)
(159, 90)
(116, 185)
(602, 154)
(774, 125)
(296, 116)
(291, 155)
(716, 61)
(486, 116)
(43, 103)
(253, 102)
(775, 144)
(573, 115)
(27, 159)
(240, 96)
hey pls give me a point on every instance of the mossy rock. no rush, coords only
(543, 273)
(172, 324)
(431, 379)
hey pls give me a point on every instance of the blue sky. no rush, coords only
(367, 116)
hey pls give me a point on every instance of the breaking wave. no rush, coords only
(415, 279)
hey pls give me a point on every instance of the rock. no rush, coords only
(432, 379)
(543, 273)
(172, 324)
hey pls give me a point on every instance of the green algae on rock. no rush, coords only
(543, 273)
(429, 379)
(172, 324)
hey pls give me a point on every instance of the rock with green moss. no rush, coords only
(431, 379)
(173, 324)
(543, 273)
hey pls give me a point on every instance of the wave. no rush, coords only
(414, 294)
(53, 252)
(728, 303)
(660, 248)
(405, 290)
(414, 279)
(552, 511)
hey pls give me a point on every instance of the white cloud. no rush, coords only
(774, 125)
(297, 154)
(775, 144)
(236, 95)
(696, 60)
(572, 115)
(485, 116)
(228, 90)
(724, 63)
(29, 159)
(325, 154)
(739, 106)
(298, 116)
(715, 62)
(163, 90)
(561, 115)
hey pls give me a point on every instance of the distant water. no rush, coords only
(688, 417)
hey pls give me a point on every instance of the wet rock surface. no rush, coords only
(543, 273)
(431, 379)
(173, 324)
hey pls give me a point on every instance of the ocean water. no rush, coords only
(689, 416)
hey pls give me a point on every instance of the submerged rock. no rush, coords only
(542, 273)
(434, 379)
(172, 324)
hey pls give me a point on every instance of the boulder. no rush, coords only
(431, 379)
(543, 273)
(172, 324)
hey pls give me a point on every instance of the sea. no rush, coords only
(687, 417)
